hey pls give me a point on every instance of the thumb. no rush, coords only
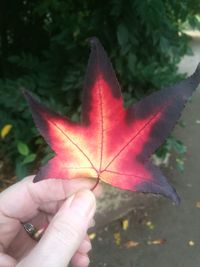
(65, 233)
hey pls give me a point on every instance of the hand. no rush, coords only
(57, 204)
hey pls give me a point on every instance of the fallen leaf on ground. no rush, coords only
(191, 243)
(198, 204)
(150, 225)
(156, 242)
(92, 236)
(125, 224)
(131, 244)
(117, 238)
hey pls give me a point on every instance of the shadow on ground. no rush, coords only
(159, 233)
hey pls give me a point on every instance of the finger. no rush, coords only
(85, 246)
(48, 218)
(23, 200)
(66, 232)
(21, 245)
(80, 260)
(53, 206)
(92, 223)
(7, 261)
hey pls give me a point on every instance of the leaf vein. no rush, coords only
(73, 143)
(131, 139)
(137, 176)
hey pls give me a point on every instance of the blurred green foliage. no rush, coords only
(43, 47)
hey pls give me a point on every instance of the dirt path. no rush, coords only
(175, 229)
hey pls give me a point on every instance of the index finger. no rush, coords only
(22, 200)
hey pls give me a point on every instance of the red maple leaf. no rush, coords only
(111, 143)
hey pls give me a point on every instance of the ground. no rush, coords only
(159, 233)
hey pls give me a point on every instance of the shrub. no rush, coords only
(43, 47)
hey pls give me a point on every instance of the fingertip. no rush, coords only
(84, 203)
(87, 194)
(85, 247)
(80, 260)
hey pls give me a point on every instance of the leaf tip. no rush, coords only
(36, 178)
(176, 199)
(31, 100)
(26, 93)
(198, 67)
(196, 74)
(93, 41)
(170, 193)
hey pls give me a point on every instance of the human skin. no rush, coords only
(64, 207)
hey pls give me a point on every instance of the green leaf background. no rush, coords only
(44, 48)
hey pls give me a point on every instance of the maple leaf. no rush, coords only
(111, 143)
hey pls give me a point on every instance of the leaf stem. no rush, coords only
(97, 182)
